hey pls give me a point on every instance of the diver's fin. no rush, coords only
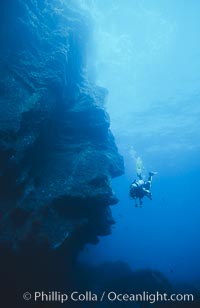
(153, 173)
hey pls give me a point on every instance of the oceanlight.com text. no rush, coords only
(89, 296)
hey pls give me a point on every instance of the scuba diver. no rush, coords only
(140, 188)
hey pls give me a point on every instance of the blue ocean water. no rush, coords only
(147, 56)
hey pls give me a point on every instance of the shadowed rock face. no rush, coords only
(57, 153)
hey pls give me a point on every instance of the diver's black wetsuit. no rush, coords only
(140, 190)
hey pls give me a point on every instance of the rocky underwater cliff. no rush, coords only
(57, 153)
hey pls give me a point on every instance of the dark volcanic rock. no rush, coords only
(57, 153)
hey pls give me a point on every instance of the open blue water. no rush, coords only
(148, 57)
